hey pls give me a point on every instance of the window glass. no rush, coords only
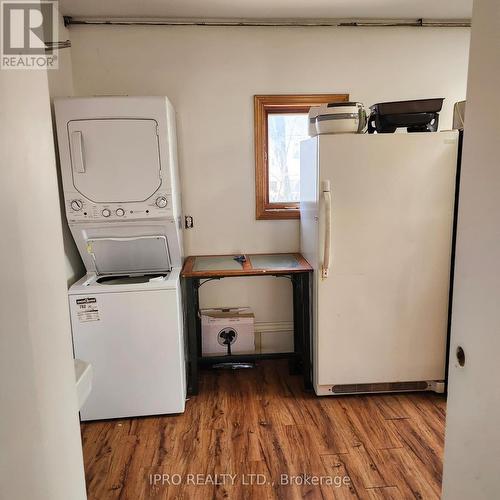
(285, 131)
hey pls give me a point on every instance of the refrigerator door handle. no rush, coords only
(327, 196)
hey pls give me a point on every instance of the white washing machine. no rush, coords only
(122, 198)
(128, 328)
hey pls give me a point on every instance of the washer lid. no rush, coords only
(142, 254)
(115, 160)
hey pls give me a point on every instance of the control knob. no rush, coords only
(120, 212)
(161, 202)
(76, 205)
(106, 212)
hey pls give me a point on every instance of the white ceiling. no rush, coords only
(270, 9)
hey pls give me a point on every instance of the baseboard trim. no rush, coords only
(276, 326)
(274, 336)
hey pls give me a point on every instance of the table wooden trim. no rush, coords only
(247, 269)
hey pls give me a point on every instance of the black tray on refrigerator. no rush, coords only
(421, 115)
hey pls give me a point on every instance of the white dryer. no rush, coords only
(119, 169)
(122, 199)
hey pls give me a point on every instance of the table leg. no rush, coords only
(302, 314)
(306, 313)
(295, 364)
(191, 286)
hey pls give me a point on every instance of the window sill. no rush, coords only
(277, 214)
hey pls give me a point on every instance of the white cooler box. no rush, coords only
(223, 326)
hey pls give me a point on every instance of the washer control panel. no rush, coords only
(78, 208)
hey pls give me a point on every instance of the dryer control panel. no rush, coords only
(80, 209)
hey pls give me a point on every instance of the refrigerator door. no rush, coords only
(382, 277)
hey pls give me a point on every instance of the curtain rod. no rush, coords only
(419, 23)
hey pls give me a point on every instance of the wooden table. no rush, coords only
(201, 269)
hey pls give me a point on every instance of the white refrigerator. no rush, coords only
(377, 227)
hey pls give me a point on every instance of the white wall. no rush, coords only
(61, 85)
(472, 427)
(40, 446)
(211, 75)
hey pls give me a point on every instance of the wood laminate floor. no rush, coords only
(258, 426)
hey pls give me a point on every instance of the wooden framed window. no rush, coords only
(280, 123)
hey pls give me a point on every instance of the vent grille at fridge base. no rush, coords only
(380, 387)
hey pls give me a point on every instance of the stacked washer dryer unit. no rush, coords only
(122, 199)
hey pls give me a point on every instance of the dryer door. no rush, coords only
(115, 160)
